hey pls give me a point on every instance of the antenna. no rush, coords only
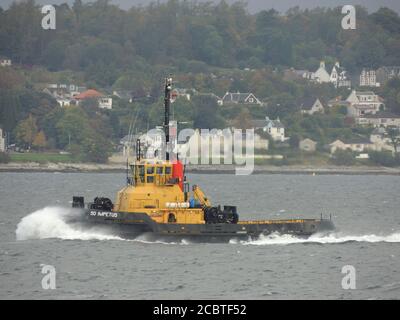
(138, 151)
(167, 104)
(127, 172)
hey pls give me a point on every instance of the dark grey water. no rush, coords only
(92, 264)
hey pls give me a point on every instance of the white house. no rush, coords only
(4, 62)
(368, 78)
(380, 139)
(2, 141)
(380, 119)
(384, 74)
(364, 102)
(339, 77)
(321, 75)
(105, 102)
(275, 129)
(216, 143)
(311, 106)
(63, 102)
(356, 145)
(307, 145)
(240, 98)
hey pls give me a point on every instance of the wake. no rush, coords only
(53, 222)
(332, 238)
(63, 223)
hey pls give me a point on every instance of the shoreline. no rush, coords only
(200, 169)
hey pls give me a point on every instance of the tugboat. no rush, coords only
(158, 199)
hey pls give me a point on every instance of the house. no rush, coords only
(338, 102)
(211, 95)
(89, 94)
(380, 119)
(5, 62)
(384, 74)
(321, 75)
(64, 102)
(240, 98)
(128, 143)
(63, 93)
(293, 74)
(339, 77)
(308, 145)
(2, 141)
(275, 129)
(381, 140)
(124, 95)
(215, 143)
(105, 102)
(368, 78)
(182, 93)
(311, 106)
(364, 102)
(355, 145)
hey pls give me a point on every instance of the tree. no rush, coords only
(40, 140)
(343, 158)
(96, 149)
(394, 136)
(207, 113)
(243, 120)
(26, 132)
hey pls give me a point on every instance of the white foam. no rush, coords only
(332, 238)
(51, 222)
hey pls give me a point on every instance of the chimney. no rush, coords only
(322, 64)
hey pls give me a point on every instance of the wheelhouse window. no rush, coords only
(159, 170)
(167, 170)
(141, 173)
(150, 170)
(150, 179)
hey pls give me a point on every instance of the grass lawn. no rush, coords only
(41, 157)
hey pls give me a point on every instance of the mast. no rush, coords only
(167, 104)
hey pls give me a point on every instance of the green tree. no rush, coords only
(40, 141)
(207, 113)
(26, 132)
(394, 136)
(343, 158)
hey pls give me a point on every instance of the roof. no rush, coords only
(308, 140)
(379, 131)
(123, 94)
(259, 123)
(388, 69)
(237, 97)
(354, 140)
(91, 93)
(130, 139)
(308, 103)
(273, 123)
(385, 115)
(365, 93)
